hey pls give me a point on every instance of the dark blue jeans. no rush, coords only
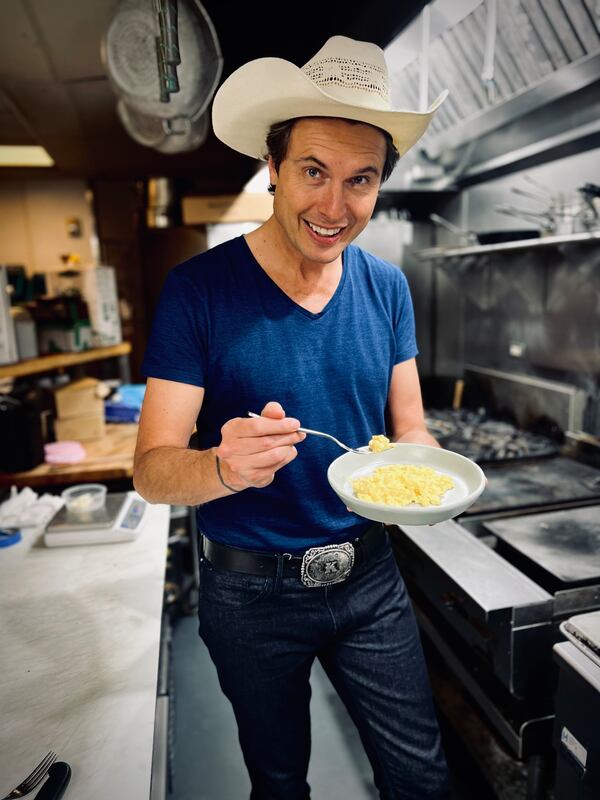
(263, 634)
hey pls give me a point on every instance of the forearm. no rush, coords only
(179, 476)
(416, 436)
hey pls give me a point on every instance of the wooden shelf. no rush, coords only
(108, 458)
(58, 360)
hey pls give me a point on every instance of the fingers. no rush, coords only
(243, 436)
(250, 445)
(264, 476)
(253, 449)
(274, 410)
(259, 469)
(272, 459)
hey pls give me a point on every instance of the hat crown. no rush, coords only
(353, 72)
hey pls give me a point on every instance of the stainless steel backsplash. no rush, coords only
(530, 312)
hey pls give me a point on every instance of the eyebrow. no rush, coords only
(369, 168)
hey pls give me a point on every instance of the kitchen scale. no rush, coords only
(120, 520)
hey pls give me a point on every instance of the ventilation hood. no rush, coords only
(523, 77)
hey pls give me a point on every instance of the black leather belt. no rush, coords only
(318, 566)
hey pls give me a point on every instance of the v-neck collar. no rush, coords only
(292, 303)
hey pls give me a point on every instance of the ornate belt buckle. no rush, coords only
(324, 566)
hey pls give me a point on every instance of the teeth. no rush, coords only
(324, 231)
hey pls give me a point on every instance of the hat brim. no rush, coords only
(269, 90)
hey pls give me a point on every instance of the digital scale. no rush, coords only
(120, 520)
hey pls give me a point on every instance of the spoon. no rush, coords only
(326, 436)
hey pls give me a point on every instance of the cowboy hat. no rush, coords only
(346, 78)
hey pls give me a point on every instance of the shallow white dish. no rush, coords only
(469, 483)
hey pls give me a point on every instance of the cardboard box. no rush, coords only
(84, 428)
(78, 398)
(244, 207)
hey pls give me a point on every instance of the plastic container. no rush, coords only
(84, 497)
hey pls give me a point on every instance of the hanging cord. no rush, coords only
(424, 59)
(487, 72)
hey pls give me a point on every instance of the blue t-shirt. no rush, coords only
(222, 323)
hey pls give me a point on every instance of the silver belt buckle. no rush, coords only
(324, 566)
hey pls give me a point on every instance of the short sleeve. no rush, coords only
(176, 349)
(406, 343)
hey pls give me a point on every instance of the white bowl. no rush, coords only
(84, 498)
(469, 483)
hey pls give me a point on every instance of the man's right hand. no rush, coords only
(252, 450)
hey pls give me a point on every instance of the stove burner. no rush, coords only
(474, 435)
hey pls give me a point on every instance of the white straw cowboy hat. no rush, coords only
(346, 79)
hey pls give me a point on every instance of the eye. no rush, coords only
(359, 180)
(313, 172)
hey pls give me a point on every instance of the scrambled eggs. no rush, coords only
(402, 484)
(378, 444)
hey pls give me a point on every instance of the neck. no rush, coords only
(277, 256)
(308, 283)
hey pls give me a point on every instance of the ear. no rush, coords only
(272, 171)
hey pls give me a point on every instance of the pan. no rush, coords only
(471, 238)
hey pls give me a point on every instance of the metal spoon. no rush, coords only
(326, 436)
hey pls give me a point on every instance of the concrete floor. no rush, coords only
(208, 763)
(208, 760)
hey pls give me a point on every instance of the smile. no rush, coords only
(328, 233)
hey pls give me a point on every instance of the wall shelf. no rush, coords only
(54, 361)
(522, 244)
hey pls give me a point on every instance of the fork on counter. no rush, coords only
(35, 777)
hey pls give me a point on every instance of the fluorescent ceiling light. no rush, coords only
(24, 156)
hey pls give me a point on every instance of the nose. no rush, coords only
(332, 205)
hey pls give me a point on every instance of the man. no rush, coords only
(291, 318)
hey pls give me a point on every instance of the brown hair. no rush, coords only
(278, 139)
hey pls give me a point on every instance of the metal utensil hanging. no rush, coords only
(171, 135)
(167, 48)
(164, 63)
(466, 237)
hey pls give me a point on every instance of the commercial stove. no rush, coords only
(476, 435)
(525, 471)
(491, 587)
(576, 738)
(559, 550)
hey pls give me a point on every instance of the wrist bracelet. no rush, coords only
(231, 489)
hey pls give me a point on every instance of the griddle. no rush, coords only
(557, 549)
(534, 483)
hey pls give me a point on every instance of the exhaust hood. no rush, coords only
(505, 63)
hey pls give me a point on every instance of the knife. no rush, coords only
(59, 776)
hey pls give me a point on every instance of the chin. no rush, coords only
(325, 256)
